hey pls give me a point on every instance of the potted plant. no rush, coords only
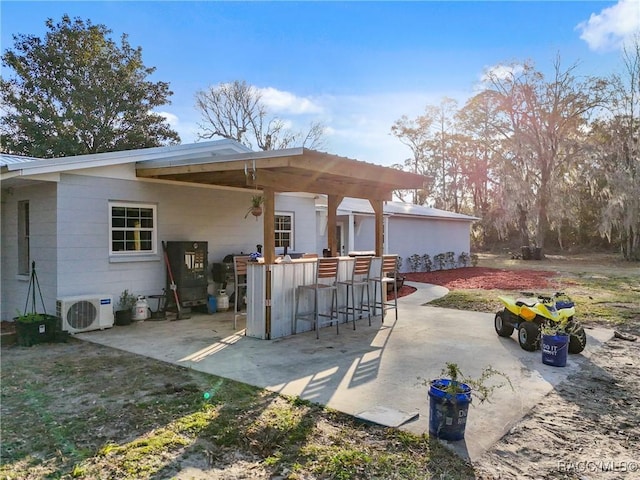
(32, 328)
(256, 206)
(124, 313)
(450, 396)
(554, 342)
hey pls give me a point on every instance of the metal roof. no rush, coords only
(207, 150)
(363, 207)
(7, 159)
(227, 163)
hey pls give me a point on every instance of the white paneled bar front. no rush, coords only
(285, 279)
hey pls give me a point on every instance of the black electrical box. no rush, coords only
(188, 261)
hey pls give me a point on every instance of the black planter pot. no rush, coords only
(123, 317)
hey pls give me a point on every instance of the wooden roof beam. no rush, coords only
(331, 164)
(287, 182)
(232, 165)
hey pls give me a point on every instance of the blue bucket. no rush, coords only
(212, 304)
(448, 412)
(554, 349)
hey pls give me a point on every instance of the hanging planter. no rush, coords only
(256, 206)
(33, 327)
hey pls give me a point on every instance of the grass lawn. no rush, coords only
(80, 410)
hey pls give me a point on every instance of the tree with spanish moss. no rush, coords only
(542, 122)
(616, 143)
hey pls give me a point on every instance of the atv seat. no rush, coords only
(529, 302)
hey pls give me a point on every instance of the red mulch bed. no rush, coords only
(403, 292)
(486, 278)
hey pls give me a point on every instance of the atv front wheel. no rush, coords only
(577, 339)
(529, 336)
(502, 328)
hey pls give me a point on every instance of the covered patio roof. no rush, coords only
(289, 170)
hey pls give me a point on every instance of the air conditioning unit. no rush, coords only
(84, 313)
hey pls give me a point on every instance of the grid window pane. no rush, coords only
(132, 228)
(284, 231)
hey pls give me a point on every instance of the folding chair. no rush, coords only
(326, 277)
(240, 279)
(359, 278)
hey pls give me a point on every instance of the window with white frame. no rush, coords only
(132, 227)
(23, 238)
(284, 230)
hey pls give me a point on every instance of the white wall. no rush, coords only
(43, 243)
(72, 255)
(411, 235)
(304, 218)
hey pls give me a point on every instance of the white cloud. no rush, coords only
(279, 101)
(609, 29)
(500, 72)
(171, 118)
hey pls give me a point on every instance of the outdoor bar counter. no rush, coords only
(281, 296)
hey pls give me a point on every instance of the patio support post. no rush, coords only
(269, 252)
(332, 207)
(377, 206)
(269, 240)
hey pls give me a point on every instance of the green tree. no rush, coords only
(435, 148)
(415, 134)
(77, 92)
(482, 164)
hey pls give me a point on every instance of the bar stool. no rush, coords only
(388, 274)
(240, 279)
(326, 280)
(359, 278)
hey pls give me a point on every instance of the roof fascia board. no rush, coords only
(7, 175)
(234, 157)
(462, 217)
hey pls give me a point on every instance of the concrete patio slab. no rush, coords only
(387, 416)
(385, 366)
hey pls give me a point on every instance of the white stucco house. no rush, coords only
(410, 229)
(94, 224)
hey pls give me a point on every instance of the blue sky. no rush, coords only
(355, 66)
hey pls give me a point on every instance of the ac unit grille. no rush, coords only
(81, 314)
(86, 312)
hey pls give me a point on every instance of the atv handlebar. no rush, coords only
(544, 297)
